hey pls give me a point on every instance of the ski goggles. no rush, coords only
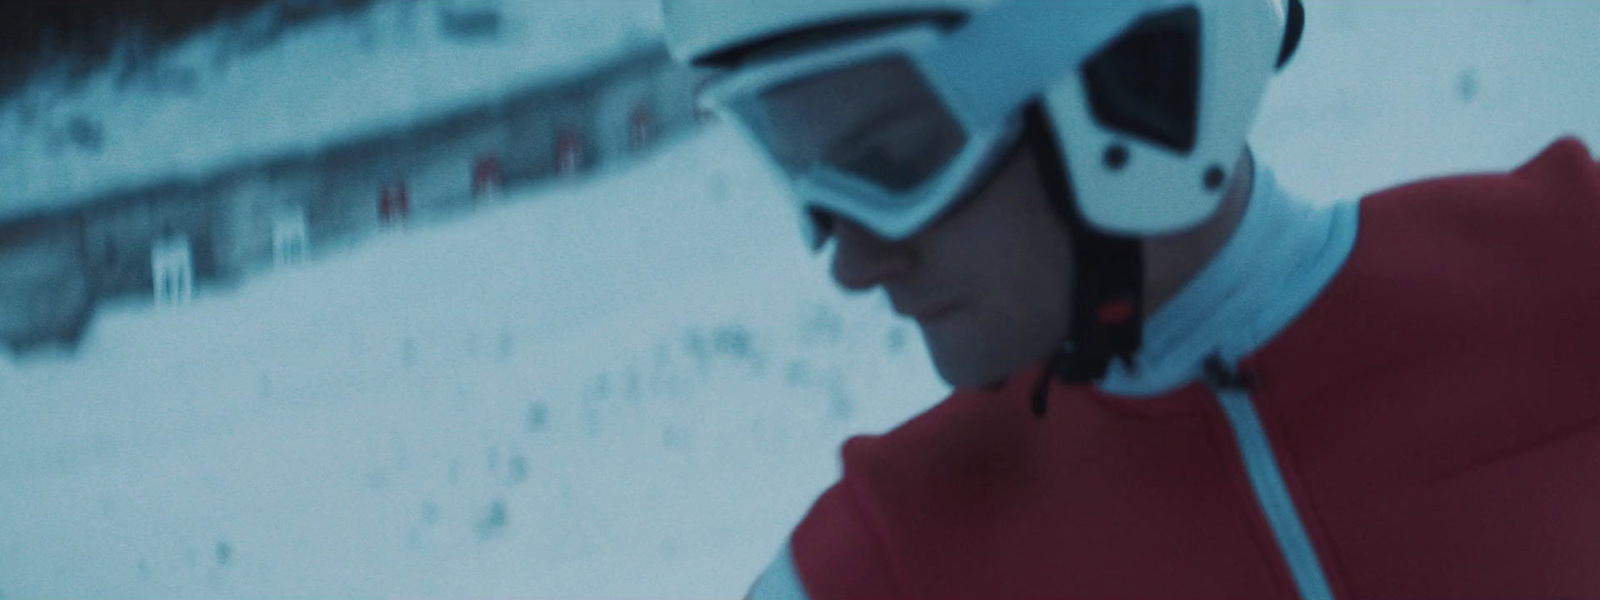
(863, 130)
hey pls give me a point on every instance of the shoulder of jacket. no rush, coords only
(899, 484)
(966, 423)
(1562, 179)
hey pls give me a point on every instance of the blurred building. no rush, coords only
(161, 241)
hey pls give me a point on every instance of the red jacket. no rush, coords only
(1422, 421)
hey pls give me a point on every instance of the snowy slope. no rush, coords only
(1384, 91)
(210, 103)
(621, 389)
(625, 388)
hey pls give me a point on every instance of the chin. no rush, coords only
(966, 374)
(969, 364)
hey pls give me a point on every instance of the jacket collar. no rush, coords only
(1283, 253)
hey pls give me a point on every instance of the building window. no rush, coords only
(172, 271)
(641, 127)
(291, 243)
(569, 152)
(394, 204)
(487, 177)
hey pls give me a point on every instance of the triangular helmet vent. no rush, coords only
(1146, 83)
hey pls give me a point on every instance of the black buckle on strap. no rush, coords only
(1219, 376)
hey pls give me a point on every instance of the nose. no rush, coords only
(862, 260)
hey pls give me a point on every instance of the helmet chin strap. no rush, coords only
(1108, 284)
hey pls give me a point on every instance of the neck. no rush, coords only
(1171, 261)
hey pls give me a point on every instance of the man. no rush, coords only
(1172, 379)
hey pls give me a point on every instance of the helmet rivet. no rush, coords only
(1116, 157)
(1215, 177)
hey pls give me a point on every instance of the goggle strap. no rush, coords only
(1108, 293)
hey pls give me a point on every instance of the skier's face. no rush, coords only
(988, 283)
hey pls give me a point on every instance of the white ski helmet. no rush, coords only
(888, 112)
(1150, 100)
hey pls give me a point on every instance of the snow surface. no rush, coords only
(1385, 91)
(210, 102)
(625, 387)
(620, 388)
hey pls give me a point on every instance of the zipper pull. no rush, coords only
(1219, 376)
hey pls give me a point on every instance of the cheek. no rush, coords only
(1011, 254)
(1018, 291)
(1030, 283)
(1032, 301)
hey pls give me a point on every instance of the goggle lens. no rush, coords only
(878, 121)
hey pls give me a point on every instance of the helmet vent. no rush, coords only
(1215, 177)
(1146, 82)
(1116, 157)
